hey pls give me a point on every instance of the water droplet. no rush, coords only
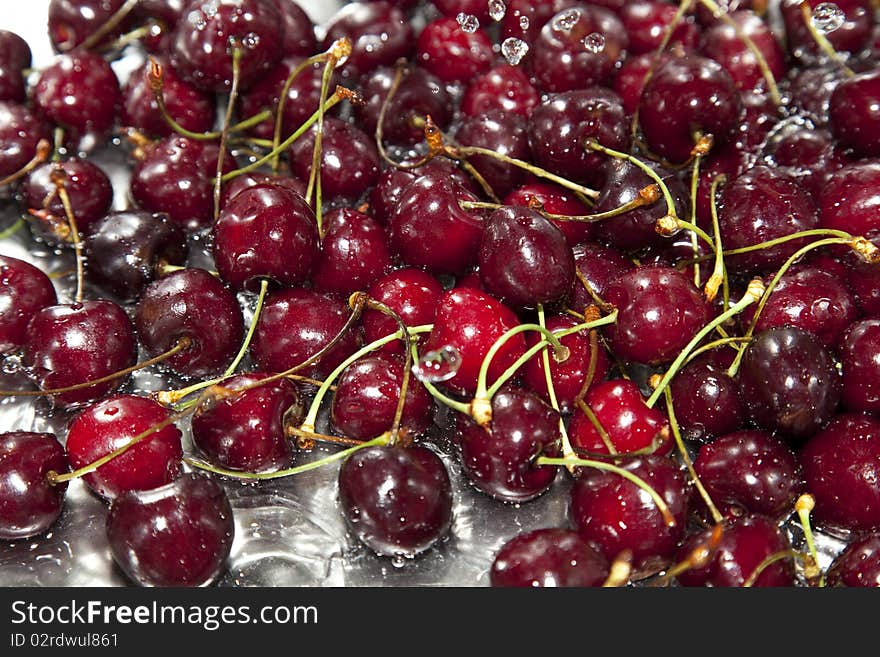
(594, 42)
(497, 9)
(827, 17)
(439, 365)
(11, 365)
(210, 8)
(468, 22)
(566, 20)
(251, 40)
(523, 23)
(398, 561)
(514, 50)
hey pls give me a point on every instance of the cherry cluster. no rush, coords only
(627, 248)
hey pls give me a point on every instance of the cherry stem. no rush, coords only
(676, 433)
(111, 23)
(699, 556)
(12, 230)
(695, 181)
(130, 37)
(815, 232)
(821, 40)
(400, 69)
(768, 561)
(279, 110)
(804, 506)
(731, 340)
(608, 467)
(258, 309)
(338, 456)
(314, 184)
(58, 177)
(227, 120)
(753, 293)
(594, 420)
(719, 272)
(551, 390)
(44, 149)
(307, 439)
(620, 570)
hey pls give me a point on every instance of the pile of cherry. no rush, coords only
(629, 245)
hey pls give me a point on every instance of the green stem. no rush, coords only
(282, 99)
(264, 285)
(567, 451)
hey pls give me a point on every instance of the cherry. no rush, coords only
(294, 325)
(265, 231)
(503, 133)
(499, 459)
(176, 176)
(367, 395)
(863, 280)
(126, 250)
(552, 557)
(629, 423)
(809, 155)
(810, 90)
(396, 500)
(842, 470)
(646, 23)
(203, 41)
(859, 351)
(162, 16)
(788, 382)
(706, 398)
(189, 106)
(245, 430)
(20, 132)
(750, 471)
(14, 50)
(524, 260)
(24, 291)
(599, 265)
(79, 92)
(245, 180)
(503, 87)
(190, 534)
(568, 376)
(850, 36)
(354, 253)
(686, 96)
(299, 31)
(616, 515)
(560, 127)
(629, 80)
(450, 53)
(745, 543)
(12, 84)
(69, 344)
(554, 199)
(849, 199)
(29, 503)
(476, 8)
(857, 565)
(106, 426)
(190, 303)
(72, 22)
(470, 321)
(659, 312)
(524, 18)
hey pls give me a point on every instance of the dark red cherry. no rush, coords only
(554, 199)
(850, 35)
(524, 260)
(857, 565)
(842, 470)
(569, 375)
(162, 16)
(849, 200)
(499, 459)
(367, 394)
(349, 159)
(476, 8)
(13, 87)
(687, 96)
(396, 500)
(245, 430)
(265, 231)
(125, 249)
(246, 180)
(810, 90)
(524, 18)
(106, 426)
(853, 114)
(69, 344)
(14, 50)
(79, 92)
(354, 253)
(29, 503)
(203, 41)
(599, 265)
(561, 126)
(616, 515)
(863, 280)
(24, 291)
(71, 22)
(190, 303)
(706, 399)
(750, 471)
(745, 543)
(191, 530)
(299, 30)
(470, 321)
(788, 382)
(659, 312)
(450, 53)
(646, 23)
(629, 80)
(629, 423)
(20, 132)
(809, 155)
(503, 133)
(176, 176)
(552, 557)
(297, 323)
(192, 108)
(504, 87)
(859, 352)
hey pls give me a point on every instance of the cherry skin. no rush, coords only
(13, 87)
(552, 557)
(125, 249)
(476, 8)
(502, 133)
(396, 500)
(849, 200)
(857, 565)
(265, 231)
(630, 424)
(630, 79)
(245, 430)
(191, 533)
(21, 130)
(841, 467)
(452, 54)
(598, 265)
(851, 36)
(750, 471)
(660, 310)
(859, 352)
(499, 459)
(616, 515)
(503, 87)
(69, 344)
(554, 199)
(252, 178)
(106, 426)
(745, 543)
(808, 155)
(853, 114)
(29, 503)
(24, 290)
(470, 321)
(525, 18)
(190, 303)
(706, 398)
(646, 23)
(299, 30)
(788, 382)
(72, 22)
(367, 394)
(14, 50)
(863, 280)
